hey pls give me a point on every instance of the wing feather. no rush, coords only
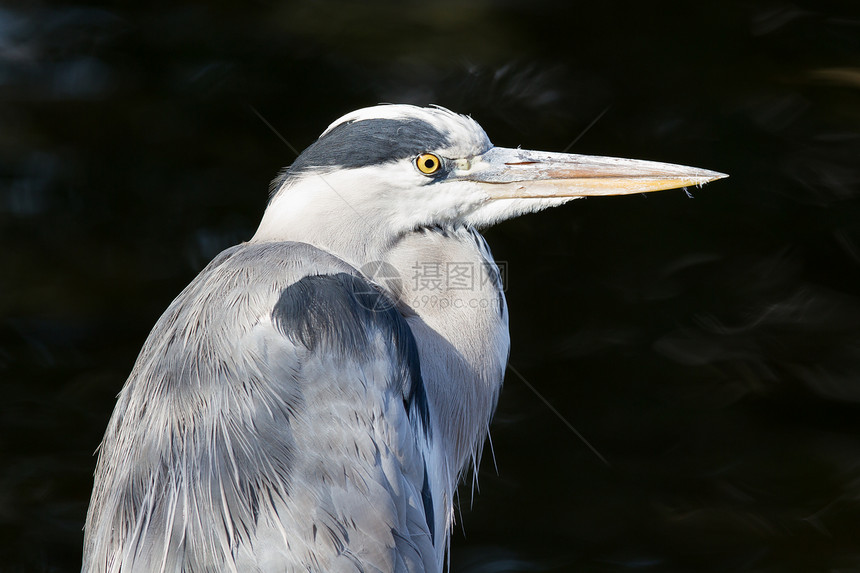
(275, 420)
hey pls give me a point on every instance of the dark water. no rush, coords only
(707, 347)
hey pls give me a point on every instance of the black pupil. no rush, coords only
(429, 163)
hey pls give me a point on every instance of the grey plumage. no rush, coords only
(290, 413)
(246, 430)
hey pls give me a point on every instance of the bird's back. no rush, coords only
(275, 420)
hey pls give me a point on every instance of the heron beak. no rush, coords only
(524, 174)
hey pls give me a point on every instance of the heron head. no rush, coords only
(391, 169)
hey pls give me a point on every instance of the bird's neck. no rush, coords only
(447, 284)
(450, 283)
(345, 235)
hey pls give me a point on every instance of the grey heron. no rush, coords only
(295, 409)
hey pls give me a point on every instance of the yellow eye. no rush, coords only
(428, 164)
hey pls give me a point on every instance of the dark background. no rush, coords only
(708, 347)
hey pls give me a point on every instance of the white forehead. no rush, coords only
(464, 133)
